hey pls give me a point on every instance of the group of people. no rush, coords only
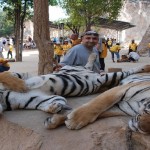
(61, 48)
(115, 48)
(29, 43)
(78, 54)
(91, 43)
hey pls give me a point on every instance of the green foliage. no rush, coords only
(6, 26)
(7, 17)
(53, 2)
(85, 12)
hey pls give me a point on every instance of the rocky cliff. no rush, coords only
(137, 13)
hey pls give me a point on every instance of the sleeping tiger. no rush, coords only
(75, 81)
(69, 81)
(130, 98)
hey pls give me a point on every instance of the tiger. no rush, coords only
(77, 81)
(130, 98)
(69, 81)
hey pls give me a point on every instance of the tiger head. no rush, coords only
(140, 123)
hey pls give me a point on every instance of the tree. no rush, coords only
(17, 10)
(42, 36)
(6, 26)
(21, 10)
(87, 11)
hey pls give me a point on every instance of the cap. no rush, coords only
(90, 33)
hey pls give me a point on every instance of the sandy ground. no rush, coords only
(30, 62)
(62, 138)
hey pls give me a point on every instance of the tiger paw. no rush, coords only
(54, 107)
(92, 57)
(80, 117)
(54, 121)
(90, 62)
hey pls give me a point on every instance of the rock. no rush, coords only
(143, 46)
(137, 13)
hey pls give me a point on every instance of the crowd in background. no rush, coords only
(64, 44)
(103, 46)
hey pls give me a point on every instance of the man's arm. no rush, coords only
(69, 58)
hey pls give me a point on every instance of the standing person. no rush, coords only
(114, 41)
(78, 55)
(1, 50)
(58, 51)
(102, 48)
(115, 51)
(132, 46)
(66, 46)
(4, 42)
(10, 49)
(109, 43)
(149, 49)
(74, 39)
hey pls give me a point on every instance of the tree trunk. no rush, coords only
(88, 24)
(22, 28)
(21, 42)
(17, 30)
(143, 45)
(42, 36)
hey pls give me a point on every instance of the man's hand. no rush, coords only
(57, 68)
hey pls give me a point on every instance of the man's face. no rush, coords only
(90, 40)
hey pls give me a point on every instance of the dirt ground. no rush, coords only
(63, 138)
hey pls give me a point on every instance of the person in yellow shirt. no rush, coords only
(10, 49)
(58, 51)
(132, 46)
(109, 43)
(102, 48)
(115, 51)
(149, 49)
(4, 65)
(66, 46)
(75, 40)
